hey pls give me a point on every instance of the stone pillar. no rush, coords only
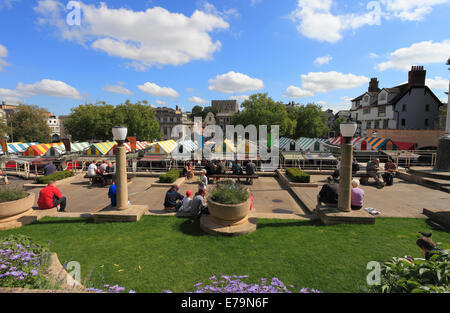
(443, 152)
(345, 180)
(121, 178)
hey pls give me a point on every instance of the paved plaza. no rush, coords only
(271, 198)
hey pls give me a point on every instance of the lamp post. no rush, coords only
(120, 134)
(348, 129)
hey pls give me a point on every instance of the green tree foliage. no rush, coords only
(140, 119)
(337, 124)
(29, 124)
(95, 121)
(203, 111)
(310, 121)
(91, 122)
(260, 109)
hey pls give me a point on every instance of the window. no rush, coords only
(366, 98)
(377, 124)
(385, 124)
(369, 124)
(403, 122)
(382, 109)
(366, 111)
(427, 108)
(404, 108)
(382, 96)
(426, 122)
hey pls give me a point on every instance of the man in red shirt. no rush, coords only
(51, 197)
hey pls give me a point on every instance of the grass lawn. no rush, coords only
(161, 253)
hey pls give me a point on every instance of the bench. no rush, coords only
(98, 179)
(234, 176)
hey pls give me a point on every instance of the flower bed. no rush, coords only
(298, 176)
(54, 177)
(22, 263)
(170, 177)
(229, 193)
(235, 284)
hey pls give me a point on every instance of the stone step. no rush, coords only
(429, 173)
(438, 216)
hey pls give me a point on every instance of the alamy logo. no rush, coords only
(73, 18)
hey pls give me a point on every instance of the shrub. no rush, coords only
(419, 276)
(22, 263)
(12, 194)
(54, 177)
(170, 177)
(297, 175)
(229, 193)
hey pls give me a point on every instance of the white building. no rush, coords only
(55, 127)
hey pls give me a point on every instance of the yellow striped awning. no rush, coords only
(168, 146)
(38, 150)
(100, 148)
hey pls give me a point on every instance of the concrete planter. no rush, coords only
(229, 214)
(11, 209)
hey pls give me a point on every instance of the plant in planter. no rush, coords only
(298, 176)
(14, 202)
(54, 177)
(229, 204)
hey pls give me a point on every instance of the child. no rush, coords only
(112, 194)
(203, 181)
(187, 202)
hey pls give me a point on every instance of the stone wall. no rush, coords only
(423, 138)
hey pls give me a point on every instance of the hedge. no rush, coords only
(297, 175)
(54, 177)
(12, 194)
(170, 177)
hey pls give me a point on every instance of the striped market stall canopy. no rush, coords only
(162, 147)
(39, 150)
(188, 145)
(100, 148)
(247, 147)
(227, 146)
(139, 146)
(310, 144)
(285, 143)
(293, 156)
(19, 147)
(367, 143)
(57, 151)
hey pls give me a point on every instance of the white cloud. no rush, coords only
(226, 14)
(117, 89)
(294, 92)
(157, 91)
(437, 83)
(197, 100)
(7, 3)
(190, 90)
(315, 19)
(160, 102)
(48, 87)
(410, 10)
(420, 53)
(3, 54)
(321, 102)
(323, 60)
(154, 37)
(10, 96)
(233, 82)
(373, 55)
(328, 81)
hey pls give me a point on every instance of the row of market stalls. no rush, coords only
(373, 144)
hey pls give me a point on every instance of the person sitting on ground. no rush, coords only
(203, 180)
(328, 195)
(172, 201)
(372, 170)
(357, 196)
(390, 172)
(92, 170)
(187, 202)
(4, 178)
(50, 197)
(49, 169)
(112, 194)
(250, 169)
(428, 247)
(199, 206)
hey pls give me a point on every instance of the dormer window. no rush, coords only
(383, 96)
(366, 98)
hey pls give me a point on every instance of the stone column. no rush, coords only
(345, 179)
(121, 178)
(443, 152)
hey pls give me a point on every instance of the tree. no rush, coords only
(29, 124)
(260, 109)
(139, 118)
(337, 124)
(91, 122)
(197, 111)
(94, 122)
(310, 121)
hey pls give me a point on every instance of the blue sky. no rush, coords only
(173, 52)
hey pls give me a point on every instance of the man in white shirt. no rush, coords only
(92, 170)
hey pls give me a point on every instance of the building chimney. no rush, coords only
(373, 85)
(416, 77)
